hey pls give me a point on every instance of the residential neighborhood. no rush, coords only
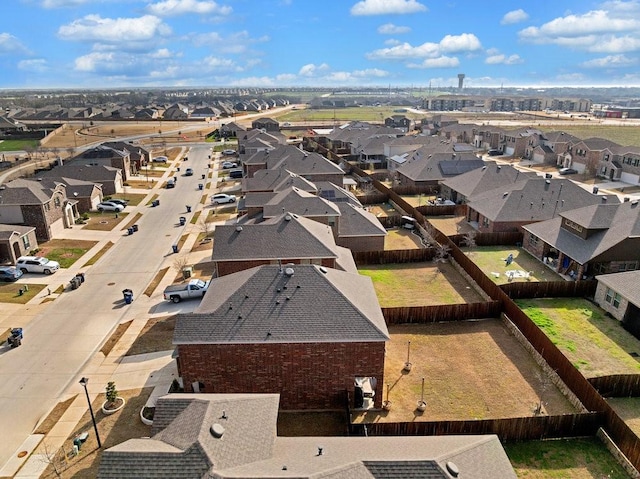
(329, 276)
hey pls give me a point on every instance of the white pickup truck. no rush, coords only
(194, 288)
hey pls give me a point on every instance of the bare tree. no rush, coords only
(57, 459)
(181, 262)
(205, 227)
(545, 384)
(469, 240)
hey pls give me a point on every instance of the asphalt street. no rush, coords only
(62, 339)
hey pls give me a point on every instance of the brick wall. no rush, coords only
(306, 375)
(600, 299)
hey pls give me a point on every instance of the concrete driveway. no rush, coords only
(63, 336)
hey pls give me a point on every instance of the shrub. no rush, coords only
(112, 394)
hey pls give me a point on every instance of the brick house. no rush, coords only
(303, 331)
(586, 156)
(197, 436)
(508, 208)
(398, 121)
(105, 156)
(16, 241)
(596, 239)
(519, 142)
(110, 179)
(267, 124)
(291, 238)
(138, 156)
(624, 166)
(254, 141)
(41, 203)
(86, 193)
(619, 295)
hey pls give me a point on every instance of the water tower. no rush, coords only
(460, 81)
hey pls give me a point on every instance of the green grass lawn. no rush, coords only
(491, 260)
(419, 284)
(563, 459)
(365, 113)
(623, 135)
(15, 145)
(134, 199)
(65, 252)
(596, 344)
(10, 292)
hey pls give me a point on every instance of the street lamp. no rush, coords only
(84, 382)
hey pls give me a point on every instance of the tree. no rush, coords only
(469, 240)
(205, 227)
(55, 458)
(181, 262)
(112, 394)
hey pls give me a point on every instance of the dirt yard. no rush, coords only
(400, 238)
(472, 369)
(451, 225)
(419, 284)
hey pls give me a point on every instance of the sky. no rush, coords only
(100, 44)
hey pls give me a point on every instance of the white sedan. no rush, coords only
(109, 206)
(222, 198)
(227, 165)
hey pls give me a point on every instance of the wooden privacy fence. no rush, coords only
(490, 239)
(550, 289)
(441, 312)
(393, 256)
(507, 429)
(617, 385)
(619, 432)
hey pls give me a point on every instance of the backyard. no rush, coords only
(597, 345)
(419, 284)
(400, 238)
(492, 261)
(472, 369)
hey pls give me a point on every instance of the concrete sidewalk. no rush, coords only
(156, 370)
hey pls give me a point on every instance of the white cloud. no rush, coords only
(439, 62)
(93, 61)
(391, 29)
(312, 70)
(10, 44)
(253, 81)
(467, 42)
(514, 16)
(36, 65)
(162, 53)
(180, 7)
(614, 44)
(114, 30)
(222, 64)
(595, 22)
(370, 72)
(501, 59)
(286, 77)
(611, 61)
(392, 42)
(387, 7)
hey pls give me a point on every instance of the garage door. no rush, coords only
(629, 178)
(509, 151)
(57, 228)
(538, 158)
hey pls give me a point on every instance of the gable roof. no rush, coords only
(183, 446)
(356, 221)
(292, 304)
(29, 192)
(7, 231)
(534, 199)
(624, 225)
(276, 180)
(487, 178)
(299, 202)
(625, 283)
(80, 171)
(285, 236)
(439, 165)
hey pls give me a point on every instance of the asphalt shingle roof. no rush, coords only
(487, 178)
(296, 237)
(292, 304)
(299, 202)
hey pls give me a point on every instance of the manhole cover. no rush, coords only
(21, 454)
(110, 284)
(104, 222)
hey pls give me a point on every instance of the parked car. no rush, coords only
(9, 274)
(494, 153)
(567, 171)
(37, 264)
(118, 201)
(229, 152)
(195, 288)
(109, 206)
(188, 172)
(160, 159)
(235, 174)
(226, 165)
(222, 198)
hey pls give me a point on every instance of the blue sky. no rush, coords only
(327, 43)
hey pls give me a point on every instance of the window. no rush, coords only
(56, 201)
(616, 300)
(608, 296)
(25, 242)
(533, 239)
